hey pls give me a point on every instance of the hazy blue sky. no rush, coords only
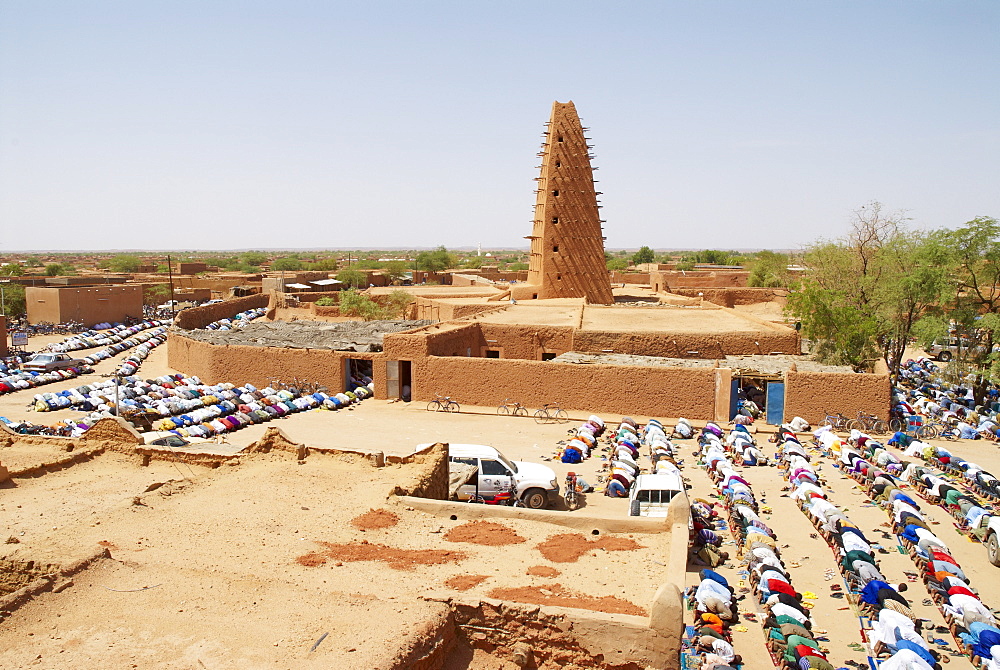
(311, 124)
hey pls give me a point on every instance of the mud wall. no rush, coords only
(3, 335)
(664, 392)
(15, 575)
(730, 297)
(199, 317)
(630, 278)
(670, 280)
(256, 365)
(811, 394)
(437, 310)
(525, 342)
(689, 345)
(427, 476)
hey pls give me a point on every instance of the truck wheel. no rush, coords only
(534, 498)
(993, 549)
(944, 356)
(633, 508)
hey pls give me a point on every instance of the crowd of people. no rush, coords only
(896, 631)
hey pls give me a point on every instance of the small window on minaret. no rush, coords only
(558, 276)
(560, 138)
(555, 192)
(555, 248)
(555, 219)
(558, 164)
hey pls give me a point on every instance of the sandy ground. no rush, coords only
(272, 542)
(281, 546)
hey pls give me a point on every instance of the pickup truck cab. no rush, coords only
(536, 484)
(651, 494)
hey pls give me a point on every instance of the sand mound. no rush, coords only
(484, 532)
(543, 571)
(559, 596)
(569, 547)
(397, 559)
(465, 582)
(375, 519)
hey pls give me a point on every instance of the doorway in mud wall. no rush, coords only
(398, 380)
(357, 372)
(752, 394)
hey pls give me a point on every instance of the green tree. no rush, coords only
(124, 263)
(352, 278)
(395, 270)
(397, 305)
(325, 264)
(617, 264)
(13, 299)
(287, 264)
(353, 303)
(254, 258)
(769, 269)
(326, 301)
(53, 269)
(11, 270)
(435, 261)
(644, 255)
(974, 249)
(155, 294)
(861, 296)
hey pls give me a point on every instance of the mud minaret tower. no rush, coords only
(567, 245)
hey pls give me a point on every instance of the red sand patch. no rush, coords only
(559, 596)
(465, 582)
(312, 560)
(484, 532)
(107, 544)
(569, 547)
(397, 559)
(375, 519)
(543, 571)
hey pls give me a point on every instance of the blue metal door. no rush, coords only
(775, 403)
(734, 398)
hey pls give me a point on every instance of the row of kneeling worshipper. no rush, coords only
(20, 380)
(238, 321)
(584, 440)
(184, 401)
(131, 363)
(714, 609)
(923, 393)
(960, 496)
(623, 458)
(787, 623)
(898, 633)
(94, 338)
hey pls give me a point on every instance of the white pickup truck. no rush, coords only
(536, 485)
(651, 494)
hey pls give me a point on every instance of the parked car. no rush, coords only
(946, 349)
(536, 485)
(651, 494)
(49, 362)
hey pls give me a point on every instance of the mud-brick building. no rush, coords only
(88, 304)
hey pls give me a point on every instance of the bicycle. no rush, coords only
(512, 408)
(551, 413)
(443, 403)
(933, 429)
(868, 423)
(837, 421)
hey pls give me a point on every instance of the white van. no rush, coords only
(651, 494)
(537, 484)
